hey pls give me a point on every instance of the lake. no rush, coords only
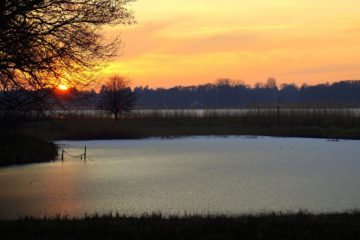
(187, 175)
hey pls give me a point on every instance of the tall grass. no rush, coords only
(301, 225)
(326, 123)
(18, 148)
(98, 114)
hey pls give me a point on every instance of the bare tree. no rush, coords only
(44, 43)
(223, 82)
(271, 83)
(116, 96)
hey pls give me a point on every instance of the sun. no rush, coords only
(63, 87)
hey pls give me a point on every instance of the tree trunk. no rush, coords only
(116, 114)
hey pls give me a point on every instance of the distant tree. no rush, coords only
(271, 83)
(288, 93)
(223, 82)
(344, 93)
(44, 43)
(116, 96)
(238, 83)
(259, 85)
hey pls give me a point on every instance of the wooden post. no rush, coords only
(62, 154)
(278, 115)
(85, 154)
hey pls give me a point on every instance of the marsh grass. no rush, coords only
(302, 225)
(16, 148)
(322, 123)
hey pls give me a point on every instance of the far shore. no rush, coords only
(333, 125)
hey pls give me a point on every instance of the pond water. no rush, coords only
(187, 175)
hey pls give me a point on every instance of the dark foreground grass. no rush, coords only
(291, 226)
(318, 124)
(16, 148)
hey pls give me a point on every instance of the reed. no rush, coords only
(17, 148)
(301, 225)
(322, 123)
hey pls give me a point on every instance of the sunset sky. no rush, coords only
(187, 42)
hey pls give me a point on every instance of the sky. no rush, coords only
(187, 42)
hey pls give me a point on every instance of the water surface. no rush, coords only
(192, 175)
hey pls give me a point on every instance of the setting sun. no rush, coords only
(63, 87)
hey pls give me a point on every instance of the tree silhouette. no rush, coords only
(116, 96)
(44, 43)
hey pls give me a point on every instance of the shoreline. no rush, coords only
(140, 128)
(35, 150)
(306, 124)
(210, 136)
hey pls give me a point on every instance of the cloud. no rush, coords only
(186, 40)
(325, 69)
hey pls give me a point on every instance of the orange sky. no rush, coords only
(187, 42)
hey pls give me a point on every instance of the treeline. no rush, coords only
(226, 93)
(229, 94)
(222, 94)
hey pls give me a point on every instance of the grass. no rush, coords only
(301, 225)
(306, 123)
(18, 148)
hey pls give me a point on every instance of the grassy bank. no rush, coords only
(264, 226)
(319, 124)
(16, 148)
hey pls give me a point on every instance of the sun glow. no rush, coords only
(63, 87)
